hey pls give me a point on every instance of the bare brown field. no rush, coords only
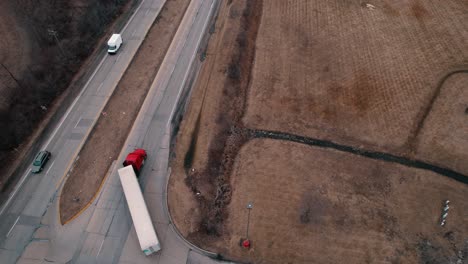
(444, 135)
(378, 78)
(312, 205)
(351, 74)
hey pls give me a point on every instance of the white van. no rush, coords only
(114, 43)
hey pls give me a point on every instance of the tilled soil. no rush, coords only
(107, 137)
(314, 205)
(369, 78)
(355, 75)
(443, 138)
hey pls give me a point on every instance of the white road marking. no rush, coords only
(13, 226)
(147, 11)
(99, 88)
(79, 119)
(133, 33)
(102, 243)
(74, 102)
(46, 145)
(50, 167)
(118, 57)
(15, 191)
(131, 18)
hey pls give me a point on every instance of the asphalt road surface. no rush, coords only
(30, 231)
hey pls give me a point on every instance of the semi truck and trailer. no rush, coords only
(144, 228)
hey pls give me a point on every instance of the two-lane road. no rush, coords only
(21, 215)
(30, 231)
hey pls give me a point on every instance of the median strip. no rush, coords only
(110, 131)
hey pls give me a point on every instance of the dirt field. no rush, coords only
(389, 77)
(322, 206)
(351, 74)
(107, 137)
(443, 139)
(212, 111)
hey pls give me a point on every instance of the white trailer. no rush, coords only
(144, 228)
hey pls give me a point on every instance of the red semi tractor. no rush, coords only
(136, 159)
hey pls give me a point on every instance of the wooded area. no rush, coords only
(61, 34)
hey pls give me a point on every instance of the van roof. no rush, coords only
(113, 39)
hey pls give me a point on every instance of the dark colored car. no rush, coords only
(40, 160)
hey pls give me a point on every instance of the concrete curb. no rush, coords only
(173, 226)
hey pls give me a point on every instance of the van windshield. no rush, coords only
(112, 47)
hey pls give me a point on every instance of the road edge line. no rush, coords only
(95, 121)
(215, 5)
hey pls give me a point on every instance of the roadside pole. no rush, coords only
(245, 243)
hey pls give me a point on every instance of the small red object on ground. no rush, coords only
(246, 243)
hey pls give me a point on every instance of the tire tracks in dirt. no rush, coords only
(412, 139)
(376, 155)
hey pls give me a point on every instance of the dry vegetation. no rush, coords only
(14, 53)
(37, 66)
(351, 74)
(387, 77)
(209, 130)
(443, 138)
